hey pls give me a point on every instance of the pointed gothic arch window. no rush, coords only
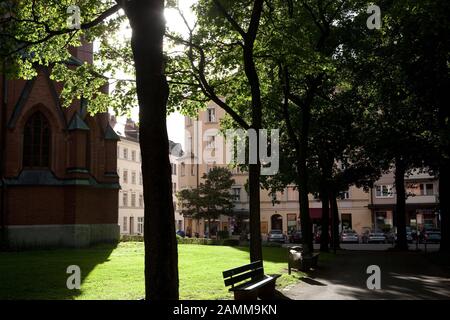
(36, 142)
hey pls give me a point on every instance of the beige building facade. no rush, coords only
(206, 148)
(131, 197)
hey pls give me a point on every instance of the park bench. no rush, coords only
(249, 282)
(297, 260)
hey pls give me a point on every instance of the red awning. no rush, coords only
(316, 213)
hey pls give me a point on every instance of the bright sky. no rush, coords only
(175, 121)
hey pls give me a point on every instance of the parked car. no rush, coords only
(181, 233)
(295, 237)
(391, 236)
(317, 236)
(431, 236)
(276, 236)
(374, 237)
(349, 236)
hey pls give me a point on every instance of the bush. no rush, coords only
(196, 241)
(209, 242)
(127, 237)
(223, 234)
(230, 242)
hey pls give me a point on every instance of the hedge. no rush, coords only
(203, 241)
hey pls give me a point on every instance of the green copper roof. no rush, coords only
(77, 123)
(110, 134)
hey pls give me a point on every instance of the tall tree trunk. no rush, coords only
(400, 207)
(302, 170)
(255, 216)
(324, 236)
(209, 228)
(335, 219)
(444, 205)
(161, 257)
(3, 207)
(254, 169)
(441, 99)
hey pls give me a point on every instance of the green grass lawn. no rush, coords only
(118, 272)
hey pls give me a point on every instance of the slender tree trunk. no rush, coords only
(400, 207)
(161, 257)
(335, 219)
(444, 173)
(3, 207)
(444, 206)
(209, 228)
(302, 170)
(442, 98)
(324, 236)
(255, 216)
(254, 169)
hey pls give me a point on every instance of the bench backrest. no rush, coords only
(252, 270)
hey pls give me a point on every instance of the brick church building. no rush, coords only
(58, 168)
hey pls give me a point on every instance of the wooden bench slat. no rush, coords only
(250, 266)
(253, 285)
(248, 275)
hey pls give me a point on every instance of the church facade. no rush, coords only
(59, 182)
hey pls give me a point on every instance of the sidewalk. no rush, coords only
(407, 275)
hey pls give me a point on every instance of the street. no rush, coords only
(376, 246)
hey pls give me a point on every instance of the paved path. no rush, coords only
(403, 276)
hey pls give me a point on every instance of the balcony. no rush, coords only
(422, 199)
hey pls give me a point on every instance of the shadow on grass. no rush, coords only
(41, 274)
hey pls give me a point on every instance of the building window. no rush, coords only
(192, 170)
(190, 146)
(426, 189)
(141, 200)
(383, 191)
(125, 224)
(133, 177)
(174, 187)
(36, 142)
(125, 199)
(183, 169)
(236, 194)
(133, 199)
(346, 219)
(125, 176)
(211, 113)
(140, 225)
(344, 195)
(125, 153)
(118, 151)
(174, 169)
(273, 196)
(140, 178)
(133, 155)
(211, 142)
(210, 166)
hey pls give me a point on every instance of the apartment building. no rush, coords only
(422, 191)
(206, 148)
(131, 196)
(358, 209)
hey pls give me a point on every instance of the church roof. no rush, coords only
(77, 123)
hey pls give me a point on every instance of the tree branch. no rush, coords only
(53, 33)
